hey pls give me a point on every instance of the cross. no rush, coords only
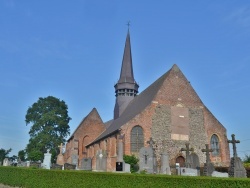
(146, 158)
(128, 24)
(150, 142)
(187, 149)
(61, 146)
(234, 142)
(207, 150)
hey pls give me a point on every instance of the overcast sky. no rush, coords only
(73, 50)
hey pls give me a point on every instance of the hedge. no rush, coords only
(39, 178)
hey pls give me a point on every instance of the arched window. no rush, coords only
(136, 139)
(214, 143)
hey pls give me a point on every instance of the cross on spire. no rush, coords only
(150, 142)
(234, 142)
(128, 24)
(207, 150)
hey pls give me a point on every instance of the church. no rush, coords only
(168, 111)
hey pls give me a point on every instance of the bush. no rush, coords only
(41, 178)
(132, 160)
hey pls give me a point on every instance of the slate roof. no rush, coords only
(136, 106)
(127, 74)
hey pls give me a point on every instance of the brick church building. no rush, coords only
(169, 111)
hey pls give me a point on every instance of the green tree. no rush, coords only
(22, 155)
(49, 127)
(4, 154)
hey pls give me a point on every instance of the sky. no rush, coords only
(73, 50)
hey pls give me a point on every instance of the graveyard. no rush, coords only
(149, 174)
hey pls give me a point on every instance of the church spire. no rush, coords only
(126, 88)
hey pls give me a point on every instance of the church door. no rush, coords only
(180, 160)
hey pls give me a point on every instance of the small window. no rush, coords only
(214, 143)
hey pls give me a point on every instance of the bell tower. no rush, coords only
(126, 88)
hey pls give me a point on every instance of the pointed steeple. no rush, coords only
(127, 74)
(126, 88)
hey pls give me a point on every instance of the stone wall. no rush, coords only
(161, 131)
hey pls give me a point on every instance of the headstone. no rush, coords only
(60, 158)
(187, 149)
(74, 158)
(47, 160)
(208, 166)
(219, 174)
(146, 162)
(35, 164)
(187, 172)
(236, 168)
(68, 166)
(86, 164)
(6, 162)
(165, 168)
(56, 167)
(101, 160)
(194, 161)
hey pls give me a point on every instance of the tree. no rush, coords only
(22, 155)
(49, 127)
(4, 154)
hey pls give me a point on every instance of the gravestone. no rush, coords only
(165, 168)
(187, 172)
(187, 150)
(121, 166)
(101, 160)
(194, 161)
(6, 162)
(60, 158)
(68, 166)
(146, 162)
(56, 167)
(74, 160)
(219, 174)
(86, 164)
(35, 164)
(236, 168)
(47, 160)
(208, 166)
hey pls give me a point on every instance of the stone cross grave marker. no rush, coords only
(236, 168)
(61, 147)
(208, 167)
(234, 142)
(150, 142)
(187, 149)
(146, 159)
